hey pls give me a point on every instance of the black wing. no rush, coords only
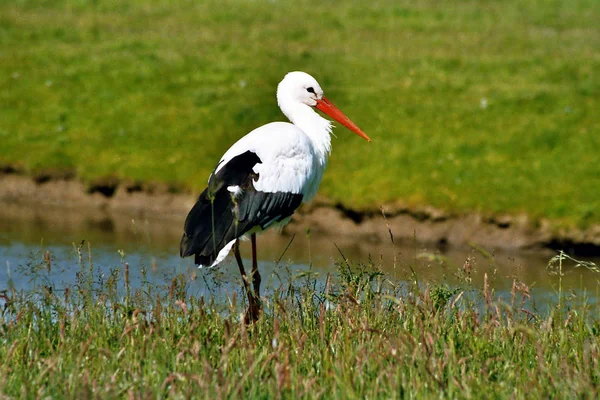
(218, 217)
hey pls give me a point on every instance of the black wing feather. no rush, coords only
(218, 218)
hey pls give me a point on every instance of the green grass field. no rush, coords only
(472, 106)
(360, 336)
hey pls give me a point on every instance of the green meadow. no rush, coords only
(485, 107)
(488, 107)
(358, 334)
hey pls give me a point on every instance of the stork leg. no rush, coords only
(256, 279)
(253, 311)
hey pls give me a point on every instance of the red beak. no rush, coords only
(328, 108)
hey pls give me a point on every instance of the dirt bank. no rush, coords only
(425, 225)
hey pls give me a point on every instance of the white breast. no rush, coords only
(289, 160)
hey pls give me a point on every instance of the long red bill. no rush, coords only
(328, 108)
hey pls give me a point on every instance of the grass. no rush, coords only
(361, 335)
(488, 107)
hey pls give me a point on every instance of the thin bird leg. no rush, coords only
(238, 257)
(256, 279)
(253, 305)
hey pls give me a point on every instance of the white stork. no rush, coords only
(262, 179)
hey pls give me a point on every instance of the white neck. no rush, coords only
(317, 128)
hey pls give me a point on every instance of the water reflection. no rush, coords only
(150, 247)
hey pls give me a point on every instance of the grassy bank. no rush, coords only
(358, 336)
(472, 107)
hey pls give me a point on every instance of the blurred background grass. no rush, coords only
(472, 106)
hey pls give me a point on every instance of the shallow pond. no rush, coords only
(69, 241)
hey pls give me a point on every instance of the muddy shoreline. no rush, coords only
(424, 225)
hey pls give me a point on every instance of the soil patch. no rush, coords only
(402, 225)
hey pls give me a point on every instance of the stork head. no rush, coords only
(299, 88)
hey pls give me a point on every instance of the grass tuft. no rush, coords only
(360, 334)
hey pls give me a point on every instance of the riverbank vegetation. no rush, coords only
(472, 107)
(357, 334)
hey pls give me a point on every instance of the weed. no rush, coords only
(359, 335)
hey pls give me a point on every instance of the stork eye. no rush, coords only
(310, 90)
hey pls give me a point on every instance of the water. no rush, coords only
(104, 242)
